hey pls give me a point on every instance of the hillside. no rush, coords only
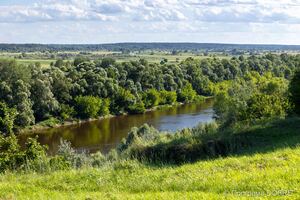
(268, 168)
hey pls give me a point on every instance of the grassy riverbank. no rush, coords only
(267, 167)
(276, 173)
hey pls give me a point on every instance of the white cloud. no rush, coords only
(264, 11)
(189, 20)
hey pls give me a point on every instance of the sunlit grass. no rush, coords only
(274, 174)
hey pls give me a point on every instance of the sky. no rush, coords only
(112, 21)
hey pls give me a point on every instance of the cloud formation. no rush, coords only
(256, 11)
(97, 21)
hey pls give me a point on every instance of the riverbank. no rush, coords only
(56, 123)
(268, 168)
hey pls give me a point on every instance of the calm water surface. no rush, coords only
(107, 133)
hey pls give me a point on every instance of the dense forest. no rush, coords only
(146, 46)
(89, 89)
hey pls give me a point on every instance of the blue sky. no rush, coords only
(109, 21)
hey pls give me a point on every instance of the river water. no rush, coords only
(106, 133)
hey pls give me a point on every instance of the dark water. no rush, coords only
(107, 133)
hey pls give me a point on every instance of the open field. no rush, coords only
(152, 57)
(269, 169)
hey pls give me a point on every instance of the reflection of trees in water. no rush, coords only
(98, 134)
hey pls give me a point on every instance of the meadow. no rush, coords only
(46, 58)
(268, 169)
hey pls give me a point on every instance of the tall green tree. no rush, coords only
(23, 104)
(7, 118)
(294, 89)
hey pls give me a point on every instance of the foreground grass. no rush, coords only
(267, 169)
(275, 174)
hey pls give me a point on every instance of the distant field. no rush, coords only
(152, 57)
(44, 63)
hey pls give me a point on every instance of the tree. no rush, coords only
(294, 89)
(79, 60)
(122, 100)
(44, 103)
(104, 108)
(151, 98)
(22, 101)
(187, 93)
(106, 62)
(168, 97)
(137, 108)
(7, 118)
(87, 106)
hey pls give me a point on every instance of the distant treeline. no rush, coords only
(147, 46)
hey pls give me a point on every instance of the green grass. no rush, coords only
(233, 177)
(268, 168)
(44, 62)
(154, 57)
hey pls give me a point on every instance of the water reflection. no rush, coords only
(105, 134)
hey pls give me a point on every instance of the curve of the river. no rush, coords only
(106, 133)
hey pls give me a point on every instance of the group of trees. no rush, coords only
(85, 88)
(250, 98)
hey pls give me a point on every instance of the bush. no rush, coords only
(137, 108)
(13, 157)
(187, 93)
(104, 109)
(167, 97)
(151, 98)
(7, 117)
(97, 159)
(67, 112)
(87, 106)
(70, 156)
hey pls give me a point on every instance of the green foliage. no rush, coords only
(51, 122)
(104, 109)
(137, 108)
(151, 98)
(80, 59)
(21, 99)
(87, 106)
(187, 93)
(294, 90)
(123, 100)
(252, 98)
(167, 97)
(7, 118)
(38, 93)
(106, 62)
(13, 157)
(67, 112)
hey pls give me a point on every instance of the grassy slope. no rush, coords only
(262, 168)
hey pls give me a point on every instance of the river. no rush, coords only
(106, 133)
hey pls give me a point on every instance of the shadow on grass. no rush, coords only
(261, 138)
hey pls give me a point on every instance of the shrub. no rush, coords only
(13, 157)
(104, 109)
(137, 108)
(7, 117)
(97, 159)
(168, 97)
(187, 93)
(151, 98)
(87, 106)
(70, 156)
(67, 112)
